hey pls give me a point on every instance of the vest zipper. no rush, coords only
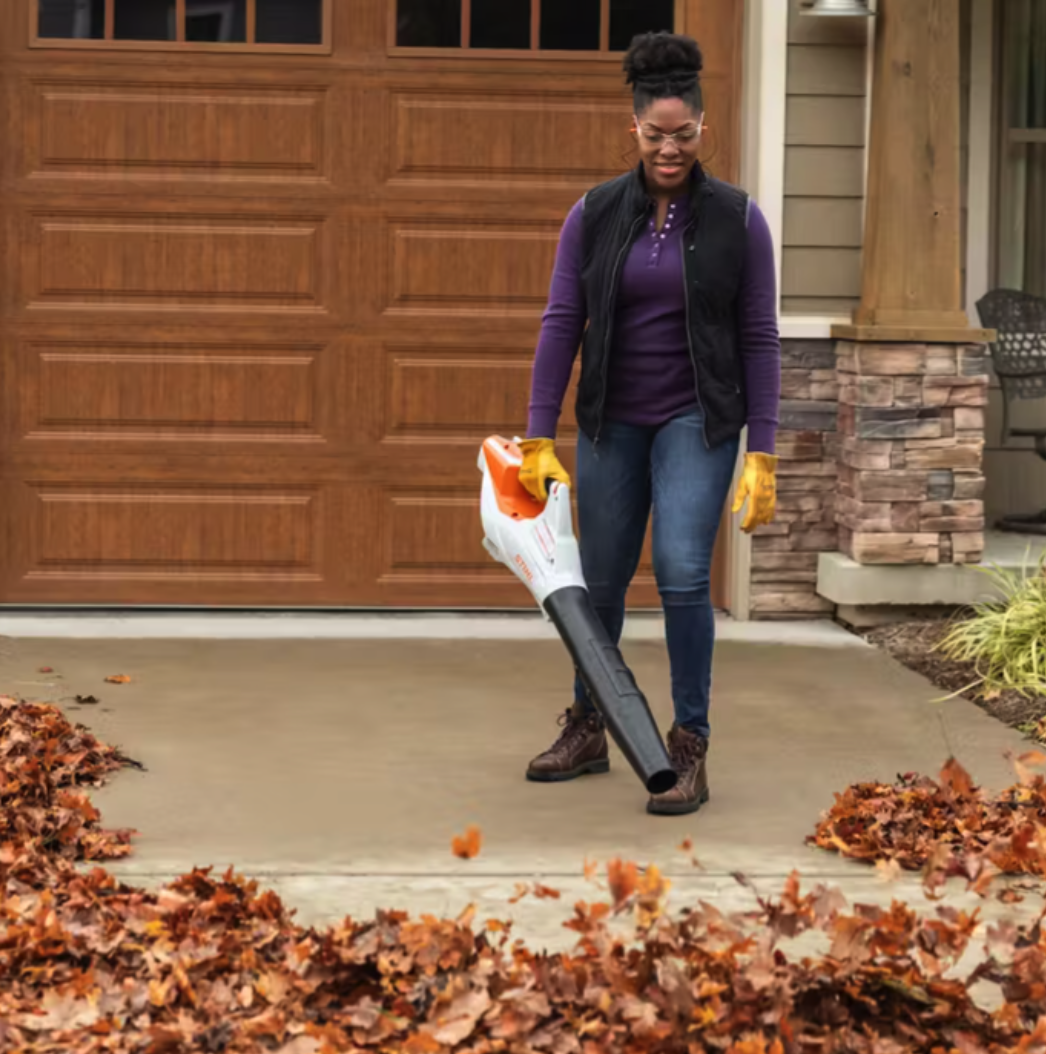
(689, 336)
(612, 297)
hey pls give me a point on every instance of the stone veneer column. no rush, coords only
(911, 446)
(784, 554)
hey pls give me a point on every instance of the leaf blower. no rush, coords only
(536, 542)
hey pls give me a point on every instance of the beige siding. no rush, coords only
(833, 272)
(830, 222)
(812, 118)
(823, 172)
(824, 164)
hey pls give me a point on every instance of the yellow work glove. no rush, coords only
(540, 464)
(759, 486)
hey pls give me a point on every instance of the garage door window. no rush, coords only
(529, 25)
(261, 24)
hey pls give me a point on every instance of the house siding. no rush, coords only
(824, 164)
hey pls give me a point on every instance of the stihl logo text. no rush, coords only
(522, 564)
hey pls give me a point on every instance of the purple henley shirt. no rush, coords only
(652, 379)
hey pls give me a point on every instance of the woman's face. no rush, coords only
(669, 134)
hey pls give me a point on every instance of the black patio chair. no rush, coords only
(1019, 358)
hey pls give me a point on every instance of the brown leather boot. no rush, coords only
(581, 749)
(689, 754)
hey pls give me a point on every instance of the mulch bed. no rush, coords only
(913, 643)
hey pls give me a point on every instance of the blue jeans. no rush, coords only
(670, 470)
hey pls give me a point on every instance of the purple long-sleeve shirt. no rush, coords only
(652, 378)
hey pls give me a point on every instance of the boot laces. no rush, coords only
(685, 750)
(575, 726)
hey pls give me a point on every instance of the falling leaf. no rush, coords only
(888, 870)
(545, 893)
(118, 678)
(467, 846)
(623, 879)
(652, 884)
(957, 779)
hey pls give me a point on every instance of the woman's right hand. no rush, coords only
(540, 464)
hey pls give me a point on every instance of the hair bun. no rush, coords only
(657, 58)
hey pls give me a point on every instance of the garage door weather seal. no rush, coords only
(536, 542)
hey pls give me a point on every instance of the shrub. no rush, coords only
(1004, 639)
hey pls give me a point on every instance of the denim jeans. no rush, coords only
(670, 470)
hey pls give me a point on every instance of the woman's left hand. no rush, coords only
(759, 486)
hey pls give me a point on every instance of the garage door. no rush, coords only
(274, 268)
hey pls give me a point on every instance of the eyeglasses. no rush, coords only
(687, 135)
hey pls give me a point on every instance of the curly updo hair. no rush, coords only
(664, 66)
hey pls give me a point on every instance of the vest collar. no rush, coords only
(641, 198)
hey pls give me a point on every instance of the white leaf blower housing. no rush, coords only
(533, 540)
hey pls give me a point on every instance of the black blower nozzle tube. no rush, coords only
(612, 687)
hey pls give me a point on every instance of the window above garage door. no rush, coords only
(261, 25)
(548, 26)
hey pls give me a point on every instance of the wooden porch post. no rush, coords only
(911, 285)
(912, 371)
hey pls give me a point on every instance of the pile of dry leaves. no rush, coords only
(946, 828)
(214, 964)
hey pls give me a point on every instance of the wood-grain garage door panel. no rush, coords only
(162, 393)
(458, 396)
(106, 530)
(433, 550)
(469, 266)
(142, 261)
(433, 535)
(515, 138)
(147, 129)
(185, 388)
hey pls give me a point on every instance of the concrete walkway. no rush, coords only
(339, 770)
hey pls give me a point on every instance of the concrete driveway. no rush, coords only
(338, 770)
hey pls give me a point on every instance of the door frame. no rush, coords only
(763, 112)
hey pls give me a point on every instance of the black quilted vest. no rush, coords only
(714, 248)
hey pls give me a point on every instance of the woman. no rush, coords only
(665, 278)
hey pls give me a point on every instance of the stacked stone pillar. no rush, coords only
(911, 448)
